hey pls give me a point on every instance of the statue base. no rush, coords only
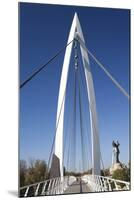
(115, 167)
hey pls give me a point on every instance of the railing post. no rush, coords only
(116, 186)
(100, 183)
(49, 186)
(56, 186)
(109, 185)
(105, 185)
(52, 187)
(44, 188)
(37, 188)
(25, 195)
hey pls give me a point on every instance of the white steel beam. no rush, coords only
(61, 99)
(74, 32)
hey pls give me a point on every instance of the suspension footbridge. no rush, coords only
(58, 182)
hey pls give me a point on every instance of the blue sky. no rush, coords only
(44, 30)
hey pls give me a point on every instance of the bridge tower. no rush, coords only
(57, 160)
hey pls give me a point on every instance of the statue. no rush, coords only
(116, 164)
(116, 152)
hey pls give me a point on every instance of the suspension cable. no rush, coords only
(82, 82)
(66, 132)
(68, 120)
(80, 107)
(37, 70)
(74, 124)
(81, 127)
(51, 150)
(73, 147)
(71, 136)
(85, 147)
(101, 159)
(105, 70)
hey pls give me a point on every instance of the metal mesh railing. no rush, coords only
(48, 187)
(102, 184)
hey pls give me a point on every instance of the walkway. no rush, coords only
(78, 186)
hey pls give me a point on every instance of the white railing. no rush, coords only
(48, 187)
(101, 184)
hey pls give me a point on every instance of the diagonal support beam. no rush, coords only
(63, 82)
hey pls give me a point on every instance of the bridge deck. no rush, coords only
(78, 186)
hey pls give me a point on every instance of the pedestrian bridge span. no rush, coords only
(71, 184)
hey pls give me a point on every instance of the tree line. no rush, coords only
(37, 171)
(32, 172)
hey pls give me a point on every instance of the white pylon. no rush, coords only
(76, 31)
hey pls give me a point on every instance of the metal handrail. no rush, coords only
(51, 186)
(101, 183)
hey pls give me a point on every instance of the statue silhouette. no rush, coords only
(116, 151)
